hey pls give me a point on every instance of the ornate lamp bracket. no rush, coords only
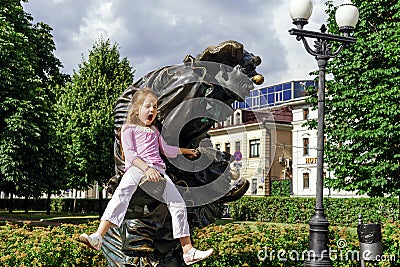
(322, 46)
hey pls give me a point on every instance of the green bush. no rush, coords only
(51, 246)
(339, 211)
(246, 244)
(56, 204)
(19, 204)
(271, 245)
(280, 188)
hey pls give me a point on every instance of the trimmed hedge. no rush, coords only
(235, 245)
(272, 245)
(57, 204)
(292, 210)
(34, 204)
(51, 246)
(339, 211)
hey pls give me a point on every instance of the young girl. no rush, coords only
(141, 143)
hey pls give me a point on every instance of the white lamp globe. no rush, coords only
(300, 9)
(347, 16)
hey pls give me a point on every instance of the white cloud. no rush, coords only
(152, 34)
(99, 21)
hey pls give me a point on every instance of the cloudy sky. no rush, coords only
(156, 33)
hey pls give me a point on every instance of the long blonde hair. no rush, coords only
(136, 102)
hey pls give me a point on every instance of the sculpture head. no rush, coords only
(232, 53)
(227, 70)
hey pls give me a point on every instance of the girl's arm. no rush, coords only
(172, 151)
(150, 173)
(167, 150)
(141, 164)
(128, 143)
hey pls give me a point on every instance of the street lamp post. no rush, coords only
(346, 18)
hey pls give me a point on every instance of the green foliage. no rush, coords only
(362, 111)
(280, 188)
(239, 245)
(56, 204)
(86, 114)
(235, 245)
(29, 70)
(39, 246)
(339, 211)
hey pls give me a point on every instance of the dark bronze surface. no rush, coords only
(145, 238)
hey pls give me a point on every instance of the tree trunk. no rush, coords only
(26, 204)
(48, 202)
(75, 195)
(100, 191)
(11, 203)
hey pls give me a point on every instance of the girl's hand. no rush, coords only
(187, 151)
(152, 174)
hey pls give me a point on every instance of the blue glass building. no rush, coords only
(274, 95)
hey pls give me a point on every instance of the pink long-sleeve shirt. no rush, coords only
(145, 143)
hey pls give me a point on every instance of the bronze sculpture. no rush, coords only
(192, 97)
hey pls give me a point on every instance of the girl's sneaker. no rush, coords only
(194, 255)
(93, 241)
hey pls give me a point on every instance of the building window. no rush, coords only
(218, 146)
(306, 146)
(278, 97)
(238, 118)
(306, 180)
(237, 146)
(255, 101)
(254, 148)
(254, 186)
(306, 114)
(227, 121)
(228, 148)
(218, 125)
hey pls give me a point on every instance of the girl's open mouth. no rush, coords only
(150, 117)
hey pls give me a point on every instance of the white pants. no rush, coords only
(118, 204)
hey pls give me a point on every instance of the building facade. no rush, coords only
(256, 140)
(304, 164)
(277, 146)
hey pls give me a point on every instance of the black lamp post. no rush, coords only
(346, 18)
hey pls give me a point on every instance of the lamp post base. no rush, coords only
(318, 253)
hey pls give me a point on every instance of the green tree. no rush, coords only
(29, 71)
(363, 112)
(51, 154)
(86, 107)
